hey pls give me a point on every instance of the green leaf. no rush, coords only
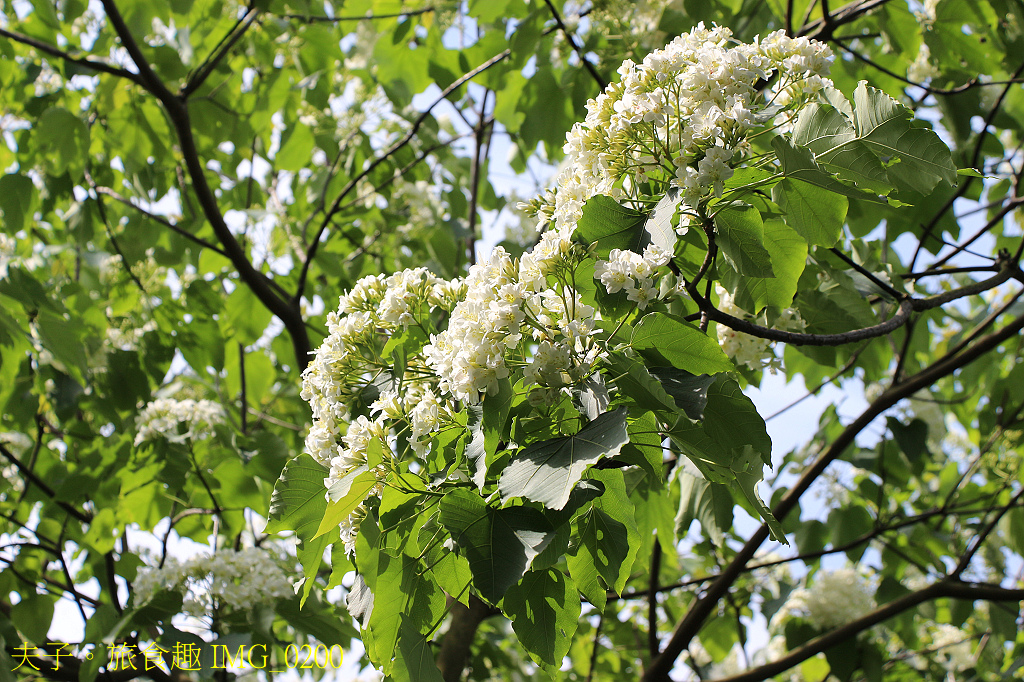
(880, 133)
(496, 409)
(607, 225)
(246, 315)
(789, 256)
(545, 611)
(815, 213)
(16, 196)
(689, 391)
(414, 661)
(681, 343)
(403, 600)
(548, 113)
(63, 139)
(633, 380)
(798, 164)
(346, 495)
(296, 149)
(740, 235)
(644, 448)
(33, 614)
(709, 503)
(476, 450)
(317, 618)
(500, 544)
(848, 524)
(606, 541)
(299, 500)
(732, 420)
(547, 471)
(299, 504)
(64, 339)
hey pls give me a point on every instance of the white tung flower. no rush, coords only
(166, 417)
(835, 598)
(229, 579)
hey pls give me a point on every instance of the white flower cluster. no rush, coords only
(503, 299)
(922, 69)
(349, 360)
(682, 115)
(128, 337)
(752, 351)
(367, 315)
(632, 272)
(165, 417)
(953, 648)
(681, 118)
(835, 598)
(228, 579)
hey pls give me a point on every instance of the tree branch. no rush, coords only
(907, 306)
(822, 30)
(945, 588)
(390, 151)
(321, 19)
(691, 623)
(84, 517)
(451, 659)
(219, 52)
(101, 67)
(289, 313)
(601, 82)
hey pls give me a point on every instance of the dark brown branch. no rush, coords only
(474, 193)
(451, 659)
(83, 516)
(160, 219)
(101, 67)
(601, 82)
(982, 535)
(653, 645)
(907, 306)
(219, 52)
(982, 231)
(867, 273)
(290, 314)
(878, 532)
(945, 588)
(241, 370)
(321, 19)
(390, 151)
(691, 623)
(949, 271)
(822, 30)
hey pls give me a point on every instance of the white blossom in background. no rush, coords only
(8, 251)
(228, 579)
(951, 647)
(752, 351)
(165, 417)
(128, 337)
(922, 69)
(834, 598)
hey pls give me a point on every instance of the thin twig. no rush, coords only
(601, 82)
(101, 67)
